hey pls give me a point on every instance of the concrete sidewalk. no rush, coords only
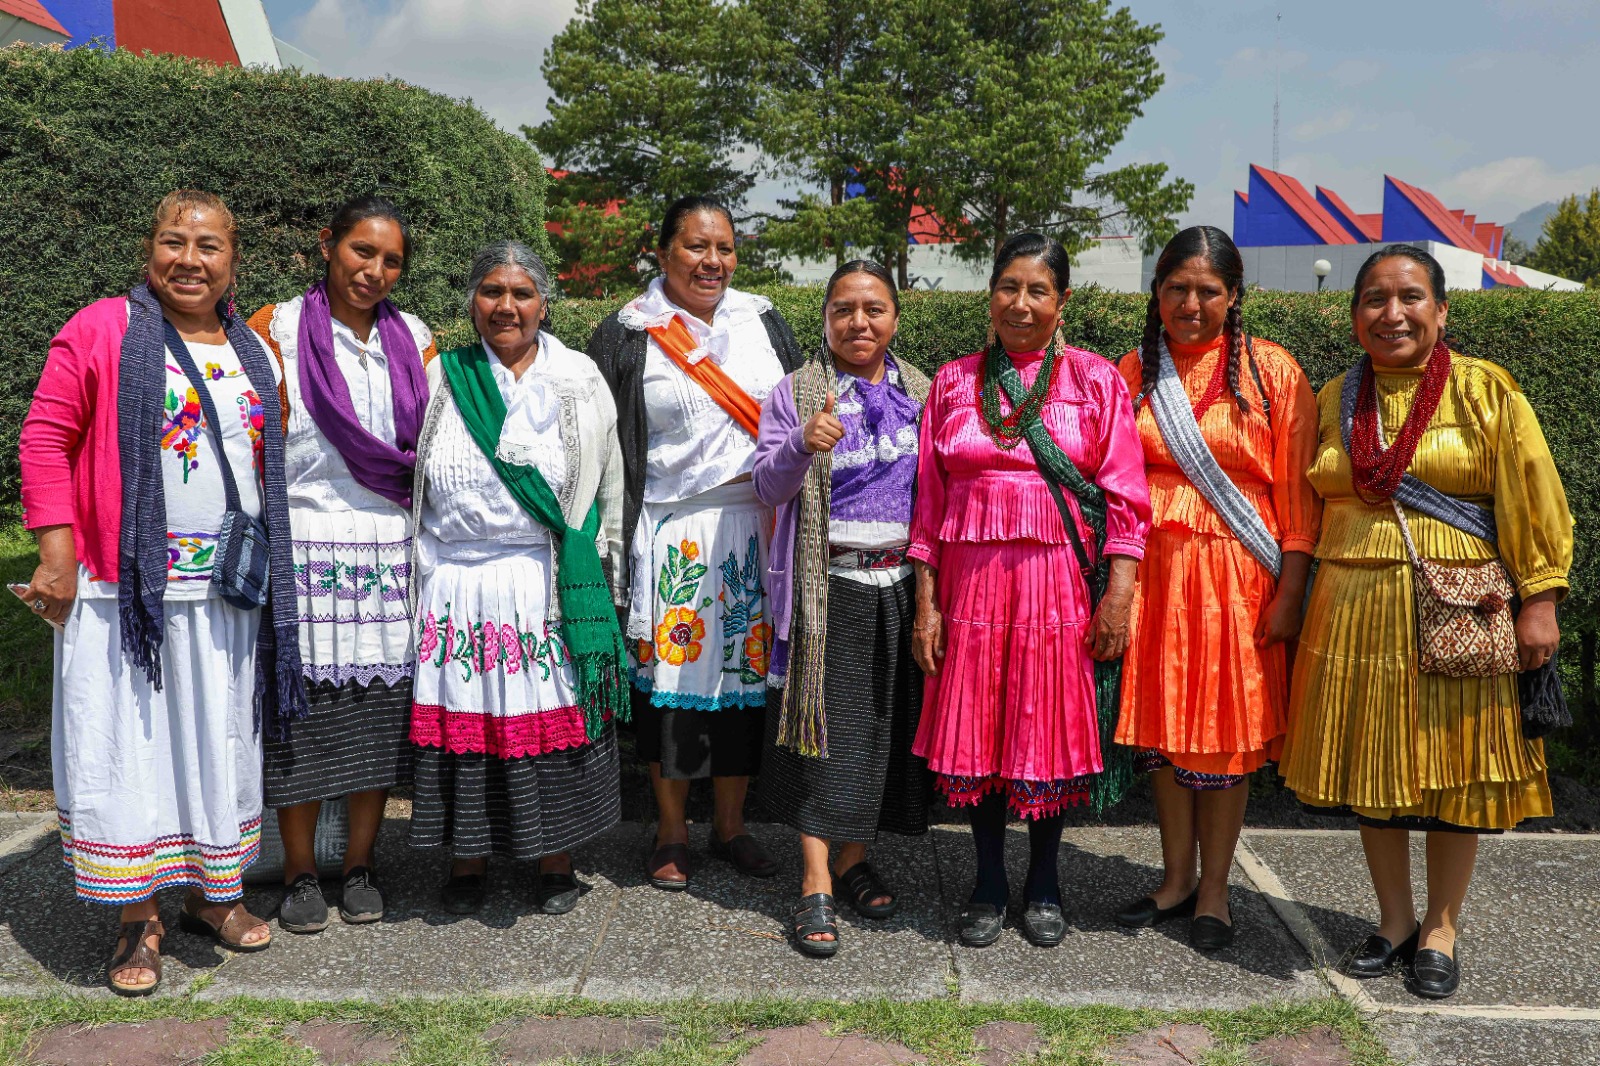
(1531, 992)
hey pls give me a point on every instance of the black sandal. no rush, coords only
(816, 914)
(860, 885)
(136, 955)
(556, 893)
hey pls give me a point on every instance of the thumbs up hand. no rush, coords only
(823, 430)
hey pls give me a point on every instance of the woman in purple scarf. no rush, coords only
(837, 458)
(353, 393)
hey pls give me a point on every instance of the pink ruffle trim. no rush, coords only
(515, 737)
(999, 507)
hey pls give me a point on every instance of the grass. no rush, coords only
(700, 1033)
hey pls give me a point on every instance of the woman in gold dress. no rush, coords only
(1369, 732)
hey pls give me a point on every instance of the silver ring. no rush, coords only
(38, 605)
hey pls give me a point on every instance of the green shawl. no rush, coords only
(588, 626)
(1058, 470)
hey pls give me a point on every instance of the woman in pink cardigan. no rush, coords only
(154, 444)
(1031, 514)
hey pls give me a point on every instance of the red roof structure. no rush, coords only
(1437, 215)
(1361, 227)
(1312, 214)
(34, 12)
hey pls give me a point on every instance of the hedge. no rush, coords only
(91, 140)
(1550, 341)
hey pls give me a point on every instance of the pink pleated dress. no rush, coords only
(1012, 708)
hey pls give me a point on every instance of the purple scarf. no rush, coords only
(375, 463)
(875, 465)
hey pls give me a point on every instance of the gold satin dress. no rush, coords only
(1366, 730)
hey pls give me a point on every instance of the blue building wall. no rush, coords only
(85, 20)
(1241, 220)
(1271, 221)
(1403, 221)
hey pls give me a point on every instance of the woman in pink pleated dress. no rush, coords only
(1031, 514)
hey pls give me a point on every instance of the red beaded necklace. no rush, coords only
(1218, 383)
(1375, 470)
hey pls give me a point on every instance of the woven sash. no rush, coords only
(1174, 416)
(677, 342)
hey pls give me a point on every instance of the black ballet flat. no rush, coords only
(981, 924)
(1210, 933)
(1144, 912)
(1434, 975)
(1376, 957)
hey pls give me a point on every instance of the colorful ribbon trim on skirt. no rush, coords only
(1028, 799)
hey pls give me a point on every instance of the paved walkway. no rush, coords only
(1531, 992)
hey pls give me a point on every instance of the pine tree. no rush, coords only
(1569, 244)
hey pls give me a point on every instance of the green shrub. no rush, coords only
(91, 140)
(1550, 341)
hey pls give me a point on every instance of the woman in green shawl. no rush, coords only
(520, 658)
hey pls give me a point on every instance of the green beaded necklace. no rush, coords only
(1007, 431)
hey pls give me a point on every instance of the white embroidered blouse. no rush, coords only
(694, 444)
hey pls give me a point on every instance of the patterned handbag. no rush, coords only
(1464, 622)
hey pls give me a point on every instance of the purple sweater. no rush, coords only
(781, 464)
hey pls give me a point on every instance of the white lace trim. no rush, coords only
(888, 449)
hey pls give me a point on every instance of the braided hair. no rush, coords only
(1219, 252)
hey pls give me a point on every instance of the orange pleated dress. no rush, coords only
(1195, 686)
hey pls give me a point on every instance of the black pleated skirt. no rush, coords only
(481, 805)
(356, 738)
(870, 781)
(692, 744)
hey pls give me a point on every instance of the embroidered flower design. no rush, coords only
(678, 636)
(510, 648)
(758, 647)
(181, 434)
(690, 550)
(491, 645)
(214, 372)
(429, 642)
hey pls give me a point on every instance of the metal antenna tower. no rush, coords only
(1277, 85)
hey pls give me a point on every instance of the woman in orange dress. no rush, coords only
(1229, 427)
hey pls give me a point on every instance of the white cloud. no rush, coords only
(1324, 125)
(1350, 73)
(1258, 61)
(488, 50)
(1506, 187)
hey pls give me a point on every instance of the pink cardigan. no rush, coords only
(71, 465)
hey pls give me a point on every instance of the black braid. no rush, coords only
(1234, 329)
(1149, 348)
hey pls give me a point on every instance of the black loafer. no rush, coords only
(1434, 975)
(1209, 933)
(464, 894)
(556, 893)
(1143, 912)
(303, 909)
(1376, 957)
(1043, 925)
(981, 924)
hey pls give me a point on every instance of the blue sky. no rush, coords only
(1488, 103)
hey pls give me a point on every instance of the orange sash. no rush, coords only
(676, 340)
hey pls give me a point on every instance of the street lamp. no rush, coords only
(1321, 268)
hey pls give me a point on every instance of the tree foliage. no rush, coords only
(1569, 244)
(90, 141)
(649, 100)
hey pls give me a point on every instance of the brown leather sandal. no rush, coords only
(230, 934)
(136, 955)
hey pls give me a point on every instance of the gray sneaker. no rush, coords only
(304, 910)
(361, 901)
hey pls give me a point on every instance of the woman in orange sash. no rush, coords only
(689, 362)
(1229, 426)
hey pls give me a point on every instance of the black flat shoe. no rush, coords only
(981, 924)
(1209, 933)
(556, 893)
(1143, 912)
(1043, 925)
(1434, 975)
(1376, 957)
(745, 853)
(464, 894)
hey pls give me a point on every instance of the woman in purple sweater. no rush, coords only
(837, 458)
